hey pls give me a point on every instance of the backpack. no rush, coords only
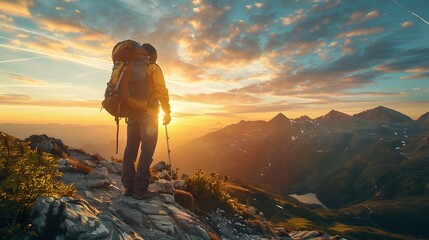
(129, 87)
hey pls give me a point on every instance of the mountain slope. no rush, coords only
(424, 120)
(345, 160)
(383, 115)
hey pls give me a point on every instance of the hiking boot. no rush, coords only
(145, 195)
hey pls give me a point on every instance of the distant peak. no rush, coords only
(383, 114)
(424, 120)
(303, 118)
(426, 115)
(279, 116)
(334, 114)
(280, 119)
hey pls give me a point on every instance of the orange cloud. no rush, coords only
(46, 45)
(6, 18)
(358, 17)
(222, 98)
(371, 15)
(57, 49)
(407, 24)
(26, 80)
(18, 8)
(355, 16)
(60, 25)
(15, 99)
(259, 5)
(417, 73)
(360, 32)
(348, 50)
(292, 18)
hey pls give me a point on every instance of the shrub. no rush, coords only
(209, 191)
(25, 175)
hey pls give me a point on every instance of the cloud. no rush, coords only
(371, 15)
(347, 72)
(407, 24)
(360, 16)
(20, 59)
(77, 49)
(6, 18)
(360, 32)
(293, 18)
(222, 98)
(415, 61)
(61, 25)
(282, 106)
(18, 8)
(215, 46)
(191, 72)
(423, 75)
(259, 5)
(313, 28)
(16, 99)
(26, 80)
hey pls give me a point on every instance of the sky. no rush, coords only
(223, 61)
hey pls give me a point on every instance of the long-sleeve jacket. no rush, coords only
(160, 91)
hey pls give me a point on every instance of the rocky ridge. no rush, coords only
(100, 211)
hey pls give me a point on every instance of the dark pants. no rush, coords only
(142, 128)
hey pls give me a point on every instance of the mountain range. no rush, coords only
(369, 170)
(377, 158)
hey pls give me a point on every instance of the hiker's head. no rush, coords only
(151, 50)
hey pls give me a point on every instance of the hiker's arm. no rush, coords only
(161, 91)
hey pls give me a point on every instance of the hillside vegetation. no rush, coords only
(25, 174)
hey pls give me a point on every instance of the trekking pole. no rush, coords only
(169, 159)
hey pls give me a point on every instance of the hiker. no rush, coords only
(142, 130)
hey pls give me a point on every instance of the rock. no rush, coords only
(113, 167)
(239, 224)
(161, 218)
(160, 166)
(99, 183)
(180, 184)
(43, 143)
(163, 186)
(63, 165)
(67, 218)
(98, 173)
(130, 217)
(168, 198)
(104, 213)
(163, 175)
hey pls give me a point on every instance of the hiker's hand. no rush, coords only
(167, 119)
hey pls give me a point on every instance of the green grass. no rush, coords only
(402, 218)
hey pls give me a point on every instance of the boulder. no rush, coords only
(163, 186)
(67, 218)
(159, 218)
(113, 167)
(98, 173)
(43, 143)
(160, 166)
(180, 184)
